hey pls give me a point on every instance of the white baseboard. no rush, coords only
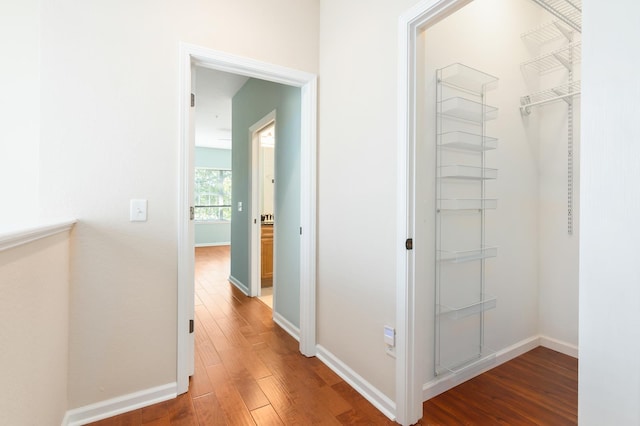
(212, 244)
(243, 288)
(286, 325)
(559, 346)
(122, 404)
(442, 384)
(364, 388)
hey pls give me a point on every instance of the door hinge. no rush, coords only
(192, 213)
(409, 244)
(191, 326)
(193, 99)
(301, 230)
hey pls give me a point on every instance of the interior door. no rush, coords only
(191, 232)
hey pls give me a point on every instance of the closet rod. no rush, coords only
(556, 98)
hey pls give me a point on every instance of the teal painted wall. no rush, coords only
(213, 157)
(255, 100)
(212, 233)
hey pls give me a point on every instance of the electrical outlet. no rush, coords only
(390, 350)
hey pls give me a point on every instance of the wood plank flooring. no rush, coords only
(248, 371)
(537, 388)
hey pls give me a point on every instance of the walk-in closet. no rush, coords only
(496, 181)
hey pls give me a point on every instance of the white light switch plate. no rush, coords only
(138, 211)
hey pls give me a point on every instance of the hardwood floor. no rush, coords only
(537, 388)
(249, 371)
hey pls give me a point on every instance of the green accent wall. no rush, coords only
(214, 158)
(212, 233)
(255, 100)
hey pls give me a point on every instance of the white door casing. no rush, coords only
(201, 56)
(408, 352)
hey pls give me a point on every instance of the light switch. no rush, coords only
(138, 211)
(239, 206)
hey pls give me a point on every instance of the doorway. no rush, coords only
(532, 168)
(191, 56)
(266, 140)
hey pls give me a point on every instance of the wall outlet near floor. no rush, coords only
(390, 350)
(390, 340)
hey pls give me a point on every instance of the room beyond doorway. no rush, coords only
(190, 57)
(266, 139)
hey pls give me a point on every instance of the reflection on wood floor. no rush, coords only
(249, 371)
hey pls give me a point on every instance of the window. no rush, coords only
(212, 196)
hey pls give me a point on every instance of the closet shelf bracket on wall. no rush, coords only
(569, 11)
(564, 92)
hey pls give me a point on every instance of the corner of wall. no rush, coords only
(379, 400)
(239, 285)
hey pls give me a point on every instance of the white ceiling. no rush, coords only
(214, 91)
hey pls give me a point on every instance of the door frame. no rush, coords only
(256, 191)
(409, 394)
(192, 54)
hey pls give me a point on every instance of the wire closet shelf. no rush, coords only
(569, 11)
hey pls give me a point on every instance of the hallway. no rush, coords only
(247, 369)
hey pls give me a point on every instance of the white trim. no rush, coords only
(239, 285)
(308, 186)
(559, 346)
(439, 385)
(287, 326)
(227, 243)
(364, 388)
(201, 56)
(17, 237)
(122, 404)
(408, 353)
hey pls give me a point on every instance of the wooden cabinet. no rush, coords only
(266, 251)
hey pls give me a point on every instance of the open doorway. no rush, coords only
(519, 160)
(266, 140)
(305, 134)
(213, 171)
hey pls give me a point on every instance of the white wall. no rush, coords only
(109, 98)
(609, 375)
(20, 111)
(558, 268)
(34, 327)
(356, 183)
